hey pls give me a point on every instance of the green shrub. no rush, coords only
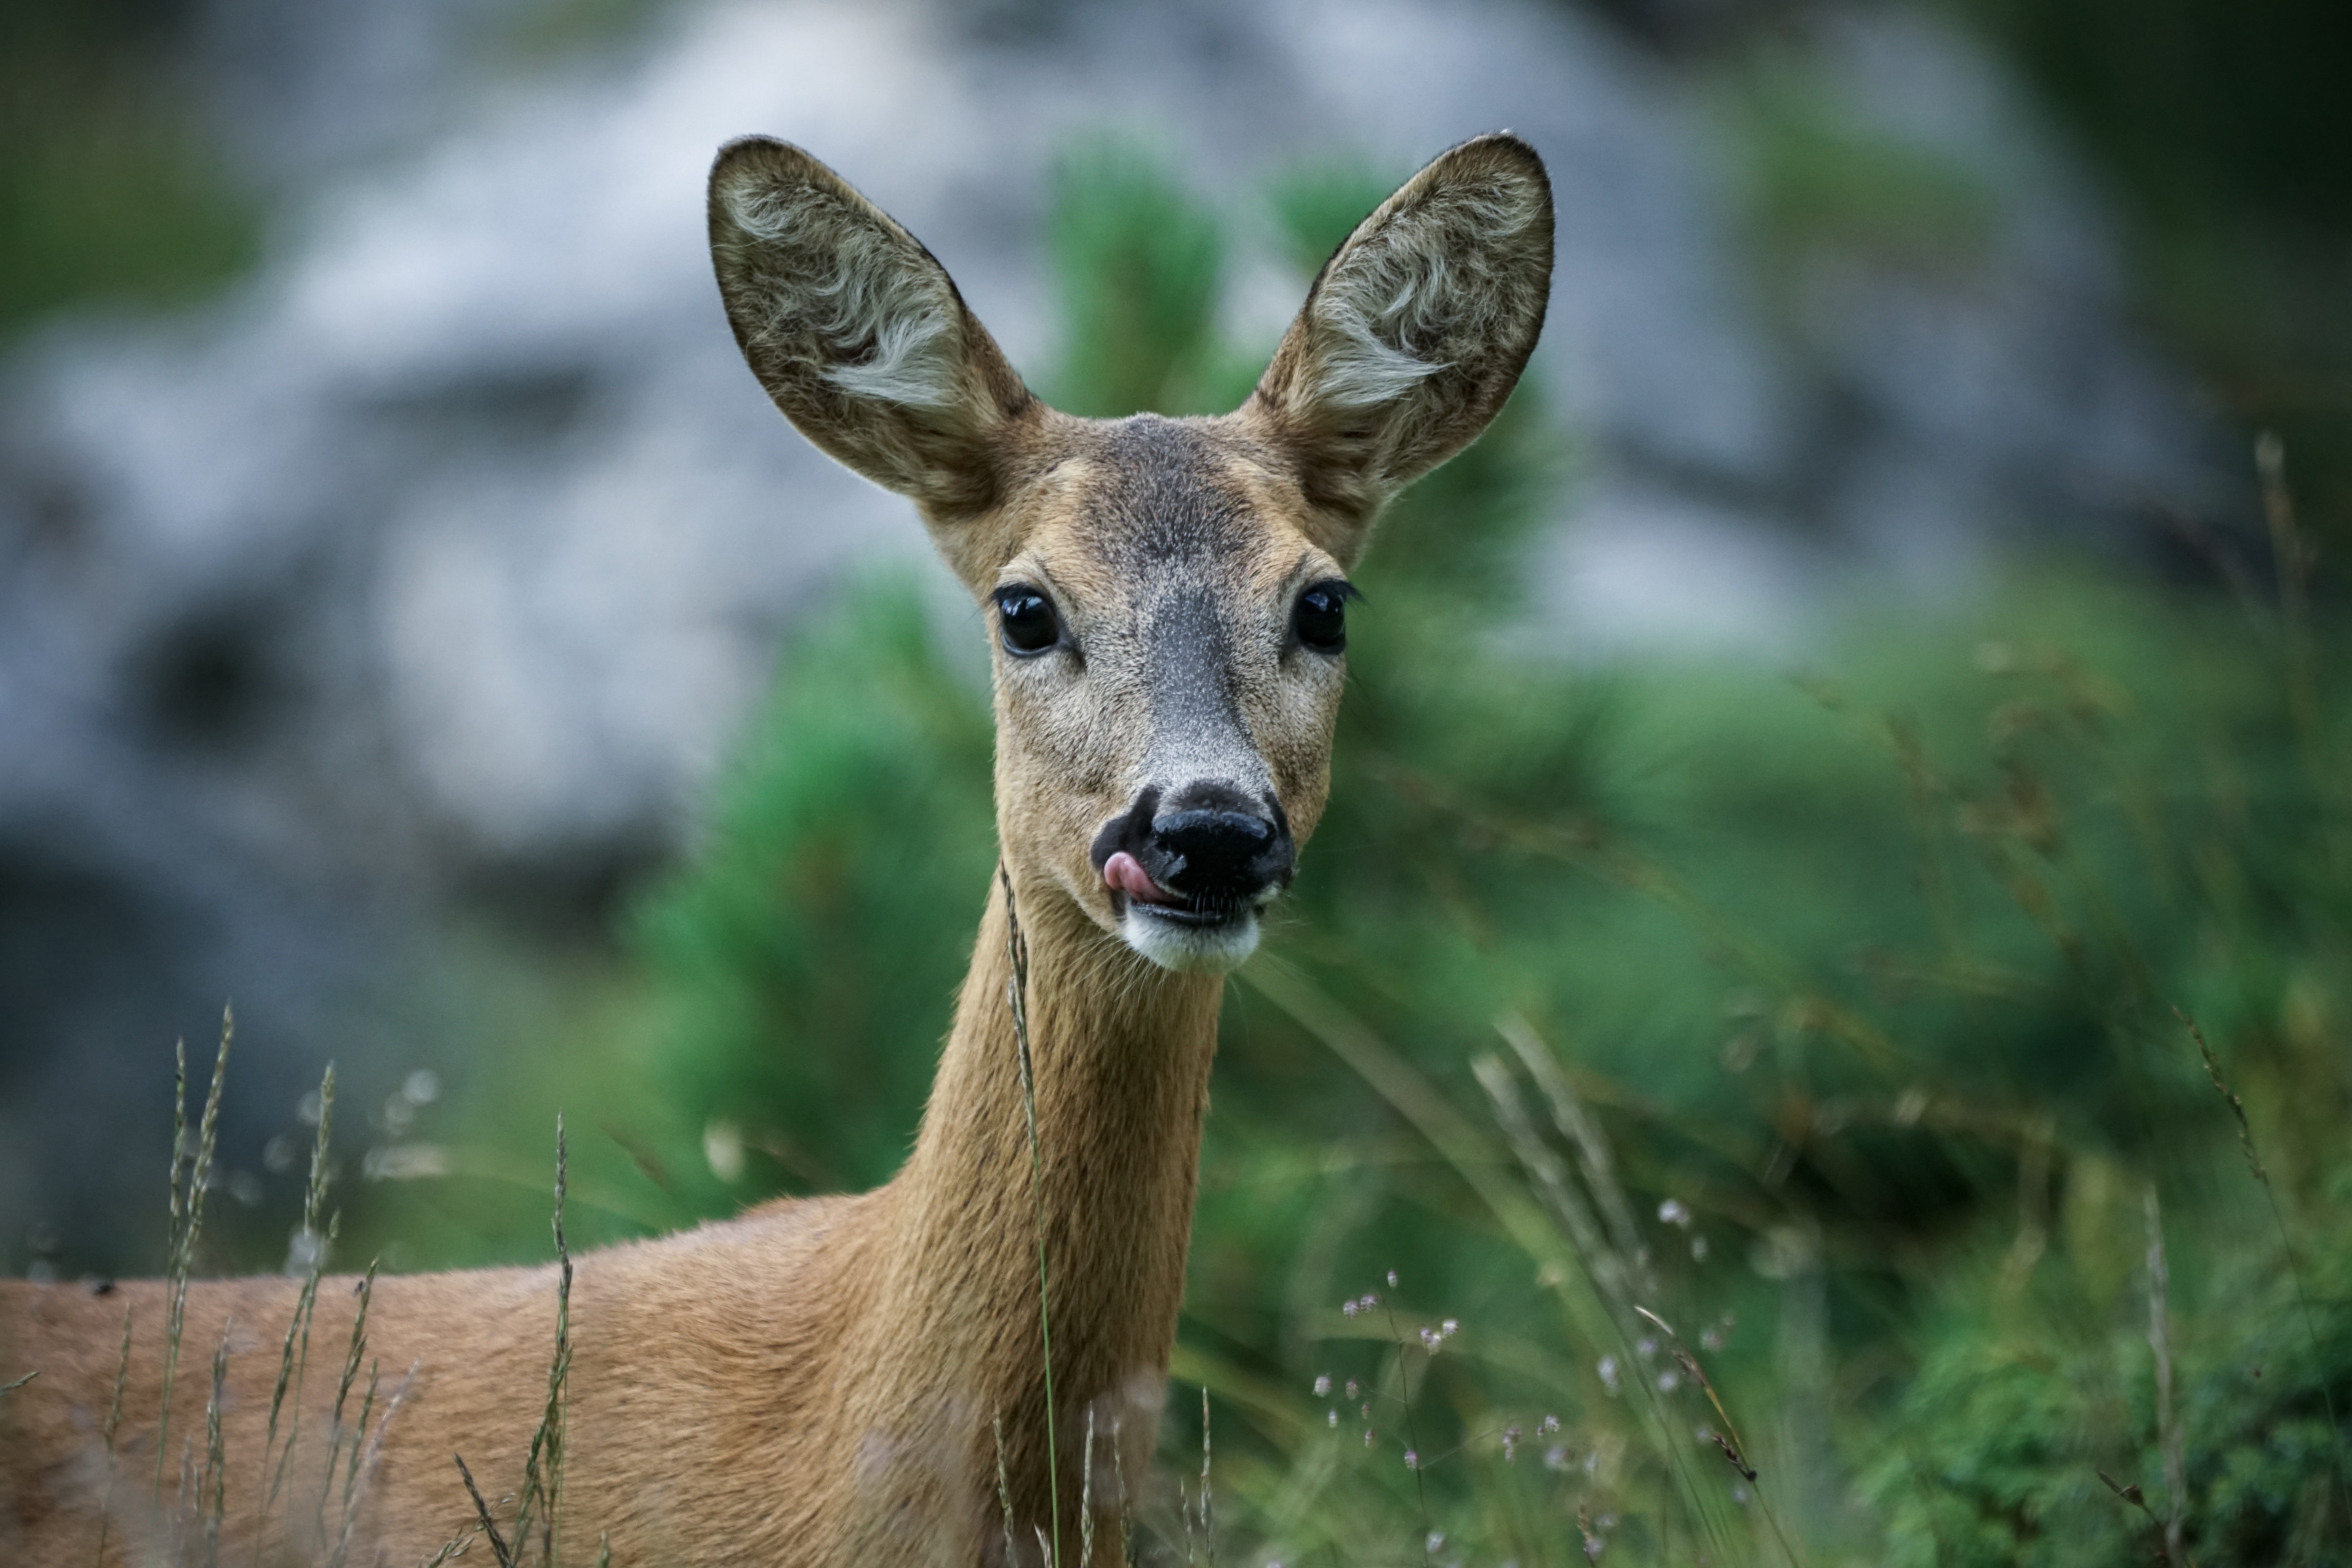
(806, 966)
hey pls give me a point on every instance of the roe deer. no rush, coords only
(820, 1382)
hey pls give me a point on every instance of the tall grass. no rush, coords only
(189, 1529)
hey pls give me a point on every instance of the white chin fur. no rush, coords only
(1200, 950)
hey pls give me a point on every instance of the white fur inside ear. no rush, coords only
(1422, 287)
(880, 312)
(1367, 360)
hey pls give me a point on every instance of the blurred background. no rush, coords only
(1886, 660)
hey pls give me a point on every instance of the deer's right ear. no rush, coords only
(855, 331)
(1415, 331)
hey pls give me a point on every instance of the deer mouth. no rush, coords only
(1179, 930)
(1132, 888)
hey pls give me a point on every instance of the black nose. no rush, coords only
(1217, 848)
(1209, 844)
(1213, 857)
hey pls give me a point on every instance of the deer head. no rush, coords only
(1167, 598)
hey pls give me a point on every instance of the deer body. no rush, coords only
(821, 1381)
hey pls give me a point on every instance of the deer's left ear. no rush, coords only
(1415, 331)
(857, 332)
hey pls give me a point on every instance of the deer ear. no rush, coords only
(1417, 328)
(855, 331)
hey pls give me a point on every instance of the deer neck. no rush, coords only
(1120, 1052)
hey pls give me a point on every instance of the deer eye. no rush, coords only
(1321, 616)
(1026, 621)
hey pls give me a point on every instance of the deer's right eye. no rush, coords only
(1026, 621)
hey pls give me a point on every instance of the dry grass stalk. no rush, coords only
(358, 1451)
(1549, 1173)
(1118, 1479)
(1405, 1392)
(187, 1221)
(212, 1491)
(337, 1430)
(1728, 1442)
(543, 1469)
(1614, 1271)
(364, 1465)
(1004, 1491)
(2131, 1493)
(486, 1524)
(294, 1356)
(1086, 1499)
(456, 1547)
(1208, 1503)
(1016, 988)
(2286, 1246)
(2168, 1419)
(113, 1424)
(1584, 1135)
(2229, 1098)
(185, 1488)
(19, 1383)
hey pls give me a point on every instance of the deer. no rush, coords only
(863, 1378)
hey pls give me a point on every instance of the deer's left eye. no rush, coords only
(1321, 617)
(1027, 620)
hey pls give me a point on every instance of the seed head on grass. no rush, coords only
(2131, 1493)
(456, 1544)
(2229, 1097)
(212, 1491)
(338, 1431)
(113, 1424)
(359, 1445)
(1728, 1442)
(294, 1357)
(364, 1465)
(187, 1222)
(185, 1489)
(487, 1525)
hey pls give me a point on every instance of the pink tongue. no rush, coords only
(1123, 871)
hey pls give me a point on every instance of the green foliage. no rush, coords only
(1317, 207)
(1141, 266)
(806, 965)
(1995, 1452)
(107, 190)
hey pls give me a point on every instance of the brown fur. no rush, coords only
(816, 1383)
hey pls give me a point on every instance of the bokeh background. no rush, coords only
(1886, 660)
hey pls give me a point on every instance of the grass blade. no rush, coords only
(1017, 996)
(187, 1219)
